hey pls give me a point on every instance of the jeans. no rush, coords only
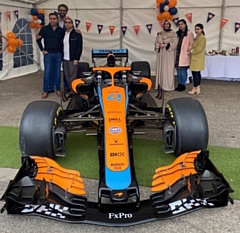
(182, 76)
(196, 78)
(52, 73)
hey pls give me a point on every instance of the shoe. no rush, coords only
(181, 87)
(193, 91)
(198, 90)
(44, 95)
(58, 93)
(178, 87)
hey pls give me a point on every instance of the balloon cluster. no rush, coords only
(167, 9)
(13, 42)
(36, 18)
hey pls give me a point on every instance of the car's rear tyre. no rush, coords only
(36, 135)
(142, 66)
(189, 121)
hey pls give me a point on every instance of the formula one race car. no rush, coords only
(111, 105)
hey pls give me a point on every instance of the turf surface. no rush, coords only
(148, 155)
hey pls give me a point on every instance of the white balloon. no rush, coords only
(39, 21)
(29, 18)
(35, 21)
(166, 8)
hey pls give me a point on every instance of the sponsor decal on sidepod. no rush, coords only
(115, 130)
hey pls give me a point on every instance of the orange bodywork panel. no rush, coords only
(51, 172)
(148, 82)
(76, 82)
(182, 167)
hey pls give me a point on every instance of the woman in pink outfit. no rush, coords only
(183, 51)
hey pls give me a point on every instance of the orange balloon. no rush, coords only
(35, 17)
(38, 25)
(159, 1)
(171, 17)
(11, 35)
(41, 11)
(172, 3)
(159, 17)
(11, 49)
(19, 42)
(32, 24)
(165, 15)
(12, 42)
(157, 6)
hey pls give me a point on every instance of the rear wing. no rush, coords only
(103, 53)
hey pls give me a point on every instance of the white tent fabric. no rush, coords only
(120, 13)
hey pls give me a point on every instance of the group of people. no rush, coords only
(175, 50)
(62, 43)
(181, 51)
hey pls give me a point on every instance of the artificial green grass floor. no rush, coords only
(148, 155)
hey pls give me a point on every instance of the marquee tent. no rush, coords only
(113, 24)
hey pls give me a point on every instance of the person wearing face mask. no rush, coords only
(165, 46)
(197, 62)
(183, 51)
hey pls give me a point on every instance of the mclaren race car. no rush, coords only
(112, 103)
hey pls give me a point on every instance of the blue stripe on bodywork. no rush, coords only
(118, 180)
(99, 92)
(127, 98)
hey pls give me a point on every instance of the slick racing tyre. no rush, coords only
(142, 66)
(190, 125)
(36, 135)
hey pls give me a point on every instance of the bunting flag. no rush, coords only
(149, 28)
(77, 22)
(124, 30)
(8, 13)
(175, 21)
(100, 27)
(237, 26)
(111, 29)
(88, 25)
(223, 22)
(210, 16)
(189, 17)
(136, 29)
(16, 13)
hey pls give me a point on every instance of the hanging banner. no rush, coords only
(175, 21)
(237, 26)
(100, 27)
(111, 29)
(136, 29)
(77, 22)
(189, 17)
(210, 16)
(149, 28)
(124, 30)
(16, 13)
(223, 22)
(8, 13)
(88, 25)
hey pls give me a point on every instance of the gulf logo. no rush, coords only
(115, 130)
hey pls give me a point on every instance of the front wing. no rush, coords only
(45, 189)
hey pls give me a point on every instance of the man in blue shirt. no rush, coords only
(52, 35)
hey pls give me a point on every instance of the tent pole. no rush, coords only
(121, 23)
(221, 29)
